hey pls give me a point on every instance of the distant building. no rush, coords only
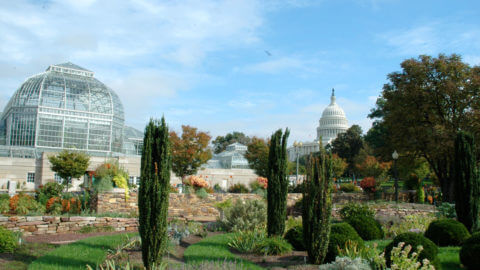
(332, 123)
(232, 158)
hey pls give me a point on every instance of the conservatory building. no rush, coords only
(65, 107)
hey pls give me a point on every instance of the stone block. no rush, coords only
(31, 223)
(40, 218)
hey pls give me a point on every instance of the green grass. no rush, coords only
(24, 255)
(77, 255)
(448, 256)
(214, 248)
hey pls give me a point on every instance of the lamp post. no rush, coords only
(395, 157)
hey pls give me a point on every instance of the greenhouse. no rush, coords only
(65, 107)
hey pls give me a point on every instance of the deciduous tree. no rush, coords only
(69, 164)
(189, 151)
(426, 103)
(347, 145)
(257, 156)
(221, 142)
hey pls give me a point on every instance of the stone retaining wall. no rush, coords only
(55, 225)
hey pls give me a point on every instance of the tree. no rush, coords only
(257, 156)
(277, 189)
(467, 182)
(370, 166)
(69, 164)
(425, 105)
(153, 192)
(317, 206)
(189, 151)
(347, 145)
(292, 168)
(221, 142)
(338, 165)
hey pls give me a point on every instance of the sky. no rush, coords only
(252, 66)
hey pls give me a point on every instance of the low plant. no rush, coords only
(352, 209)
(294, 236)
(103, 184)
(343, 263)
(429, 249)
(201, 193)
(375, 258)
(447, 232)
(367, 227)
(292, 222)
(23, 204)
(8, 241)
(349, 188)
(446, 210)
(340, 233)
(245, 215)
(403, 259)
(274, 245)
(4, 206)
(420, 194)
(410, 223)
(368, 184)
(469, 253)
(218, 189)
(47, 191)
(238, 188)
(247, 241)
(93, 229)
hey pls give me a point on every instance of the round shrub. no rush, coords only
(245, 215)
(447, 232)
(295, 237)
(351, 210)
(430, 250)
(469, 254)
(8, 242)
(238, 188)
(340, 233)
(367, 227)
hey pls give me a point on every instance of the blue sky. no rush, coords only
(249, 65)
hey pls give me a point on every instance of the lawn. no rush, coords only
(24, 255)
(448, 256)
(77, 255)
(215, 248)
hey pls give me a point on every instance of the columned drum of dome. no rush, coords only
(332, 122)
(64, 107)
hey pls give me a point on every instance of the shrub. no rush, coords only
(4, 196)
(196, 182)
(446, 210)
(47, 191)
(238, 188)
(294, 236)
(447, 232)
(402, 258)
(368, 184)
(54, 206)
(8, 241)
(23, 204)
(351, 210)
(367, 227)
(412, 182)
(469, 254)
(340, 233)
(349, 188)
(430, 250)
(274, 245)
(259, 183)
(218, 189)
(247, 241)
(103, 184)
(201, 193)
(245, 215)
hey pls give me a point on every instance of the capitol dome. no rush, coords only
(332, 123)
(64, 107)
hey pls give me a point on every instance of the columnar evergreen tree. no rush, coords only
(467, 182)
(277, 183)
(154, 191)
(317, 206)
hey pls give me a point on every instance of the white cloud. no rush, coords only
(280, 65)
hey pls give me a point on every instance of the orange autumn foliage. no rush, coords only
(197, 182)
(14, 201)
(263, 181)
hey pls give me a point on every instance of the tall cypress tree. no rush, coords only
(154, 191)
(467, 182)
(317, 206)
(277, 183)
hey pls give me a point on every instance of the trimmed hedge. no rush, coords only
(430, 250)
(295, 237)
(340, 233)
(470, 252)
(367, 227)
(8, 241)
(447, 232)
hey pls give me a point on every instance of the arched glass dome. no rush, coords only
(332, 123)
(64, 107)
